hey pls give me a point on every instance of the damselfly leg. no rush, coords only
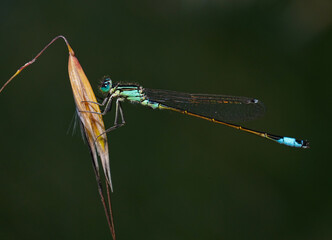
(118, 109)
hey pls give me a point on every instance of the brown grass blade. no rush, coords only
(92, 122)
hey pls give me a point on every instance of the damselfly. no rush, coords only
(220, 109)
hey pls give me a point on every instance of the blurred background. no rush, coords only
(174, 176)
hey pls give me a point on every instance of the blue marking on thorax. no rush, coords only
(134, 99)
(132, 95)
(289, 142)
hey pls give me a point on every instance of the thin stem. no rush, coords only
(100, 190)
(110, 209)
(71, 52)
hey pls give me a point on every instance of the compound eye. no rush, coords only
(106, 85)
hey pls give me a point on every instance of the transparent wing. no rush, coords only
(220, 107)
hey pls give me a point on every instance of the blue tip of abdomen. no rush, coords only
(292, 142)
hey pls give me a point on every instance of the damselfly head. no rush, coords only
(106, 84)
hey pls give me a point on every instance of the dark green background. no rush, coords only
(174, 176)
